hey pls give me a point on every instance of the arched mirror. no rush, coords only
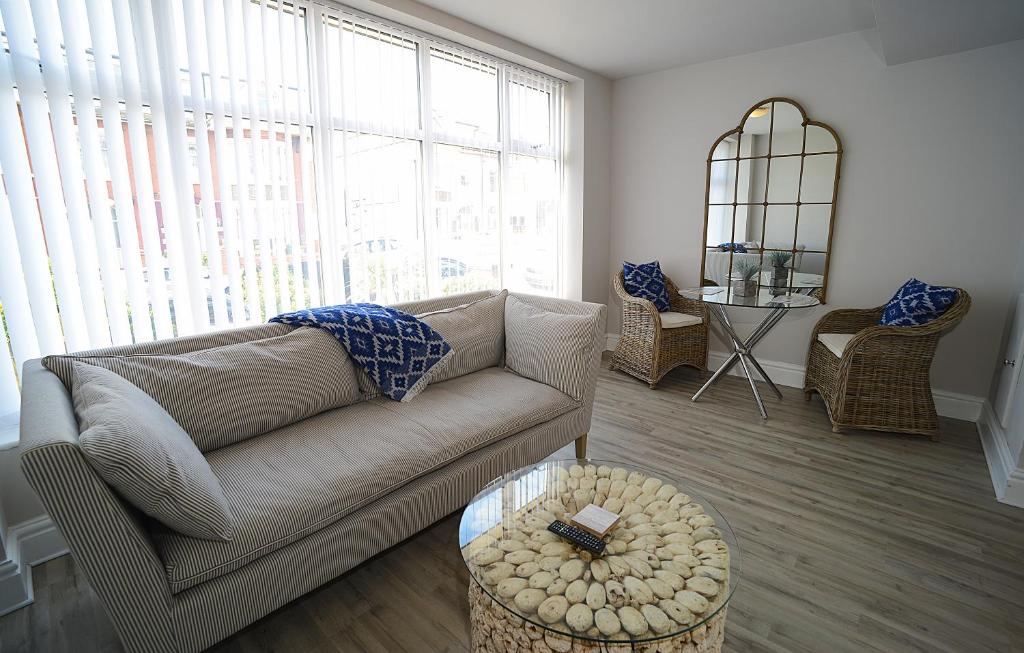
(770, 202)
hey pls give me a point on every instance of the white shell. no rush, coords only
(552, 609)
(660, 588)
(680, 568)
(571, 569)
(692, 601)
(702, 585)
(656, 619)
(674, 580)
(639, 591)
(557, 586)
(676, 611)
(542, 580)
(519, 557)
(714, 573)
(551, 563)
(498, 572)
(511, 545)
(655, 507)
(616, 488)
(711, 546)
(607, 622)
(528, 600)
(579, 617)
(613, 504)
(487, 556)
(556, 549)
(576, 592)
(701, 520)
(679, 500)
(509, 587)
(616, 594)
(651, 485)
(633, 622)
(665, 492)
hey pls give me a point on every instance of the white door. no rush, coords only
(1013, 360)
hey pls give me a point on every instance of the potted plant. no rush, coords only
(780, 274)
(744, 283)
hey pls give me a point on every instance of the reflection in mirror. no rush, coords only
(819, 178)
(783, 179)
(771, 197)
(787, 129)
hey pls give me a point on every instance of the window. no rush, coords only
(171, 175)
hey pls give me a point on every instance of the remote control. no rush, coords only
(577, 536)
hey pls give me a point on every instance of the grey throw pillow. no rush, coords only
(553, 348)
(476, 333)
(223, 395)
(140, 450)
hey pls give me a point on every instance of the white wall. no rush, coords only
(931, 178)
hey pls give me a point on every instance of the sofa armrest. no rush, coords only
(557, 342)
(105, 537)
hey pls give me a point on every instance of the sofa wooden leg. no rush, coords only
(581, 446)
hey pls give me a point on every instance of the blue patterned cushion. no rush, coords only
(646, 282)
(916, 303)
(396, 349)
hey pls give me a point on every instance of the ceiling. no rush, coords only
(619, 38)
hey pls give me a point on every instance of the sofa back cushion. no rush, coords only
(136, 447)
(553, 348)
(476, 333)
(226, 394)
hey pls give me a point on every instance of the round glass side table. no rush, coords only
(663, 582)
(718, 298)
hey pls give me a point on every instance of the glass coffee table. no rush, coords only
(662, 584)
(718, 298)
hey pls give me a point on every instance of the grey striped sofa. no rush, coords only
(166, 594)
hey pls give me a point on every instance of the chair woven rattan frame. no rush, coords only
(648, 351)
(882, 380)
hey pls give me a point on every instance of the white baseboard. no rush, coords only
(947, 404)
(1007, 477)
(29, 543)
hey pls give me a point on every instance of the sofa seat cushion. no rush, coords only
(836, 342)
(287, 484)
(673, 320)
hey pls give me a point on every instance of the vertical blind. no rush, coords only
(170, 168)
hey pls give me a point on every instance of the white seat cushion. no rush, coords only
(673, 320)
(836, 342)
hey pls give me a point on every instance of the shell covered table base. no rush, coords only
(660, 586)
(496, 630)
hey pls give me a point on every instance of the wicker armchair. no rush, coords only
(647, 349)
(881, 380)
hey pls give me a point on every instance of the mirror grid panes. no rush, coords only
(771, 197)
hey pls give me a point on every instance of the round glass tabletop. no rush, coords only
(670, 564)
(761, 298)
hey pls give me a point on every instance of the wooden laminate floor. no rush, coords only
(857, 542)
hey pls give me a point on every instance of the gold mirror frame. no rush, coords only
(806, 122)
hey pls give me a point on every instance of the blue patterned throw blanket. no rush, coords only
(396, 349)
